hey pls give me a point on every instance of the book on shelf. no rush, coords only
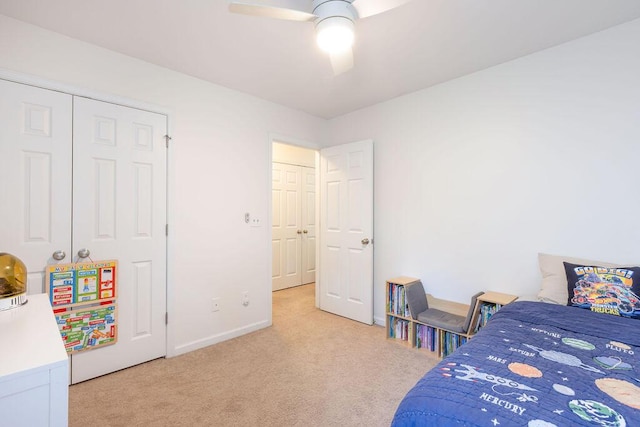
(452, 342)
(397, 300)
(486, 311)
(399, 329)
(426, 337)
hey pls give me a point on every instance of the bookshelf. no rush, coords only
(441, 341)
(401, 326)
(437, 340)
(487, 305)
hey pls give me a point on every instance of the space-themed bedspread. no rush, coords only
(535, 364)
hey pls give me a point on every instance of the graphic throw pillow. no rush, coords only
(611, 290)
(553, 288)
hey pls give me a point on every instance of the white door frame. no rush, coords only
(273, 137)
(303, 144)
(43, 83)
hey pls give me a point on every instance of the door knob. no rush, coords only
(299, 231)
(305, 231)
(365, 241)
(83, 253)
(59, 255)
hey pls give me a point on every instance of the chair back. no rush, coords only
(416, 298)
(467, 321)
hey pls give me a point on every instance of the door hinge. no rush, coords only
(166, 229)
(167, 138)
(166, 318)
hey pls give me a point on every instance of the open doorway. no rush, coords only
(294, 216)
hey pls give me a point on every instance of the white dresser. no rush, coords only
(34, 369)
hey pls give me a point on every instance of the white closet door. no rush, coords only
(35, 176)
(286, 226)
(308, 210)
(118, 161)
(119, 194)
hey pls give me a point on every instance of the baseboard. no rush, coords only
(215, 339)
(379, 321)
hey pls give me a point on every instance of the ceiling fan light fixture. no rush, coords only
(335, 34)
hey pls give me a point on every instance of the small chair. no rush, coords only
(420, 311)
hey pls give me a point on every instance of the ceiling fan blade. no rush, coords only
(342, 62)
(255, 9)
(373, 7)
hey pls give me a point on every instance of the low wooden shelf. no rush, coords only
(493, 301)
(401, 326)
(398, 321)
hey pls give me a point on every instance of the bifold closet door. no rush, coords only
(95, 171)
(308, 221)
(293, 228)
(35, 176)
(119, 212)
(286, 226)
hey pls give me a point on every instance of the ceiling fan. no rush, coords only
(334, 21)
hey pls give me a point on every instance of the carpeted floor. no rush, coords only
(311, 368)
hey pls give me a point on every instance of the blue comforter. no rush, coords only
(536, 365)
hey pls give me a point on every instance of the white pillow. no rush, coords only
(554, 287)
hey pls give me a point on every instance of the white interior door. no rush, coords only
(346, 230)
(119, 212)
(308, 223)
(35, 176)
(286, 226)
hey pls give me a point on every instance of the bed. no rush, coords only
(568, 358)
(535, 364)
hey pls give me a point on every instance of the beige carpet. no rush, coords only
(310, 368)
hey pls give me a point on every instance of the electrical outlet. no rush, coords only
(245, 298)
(255, 222)
(215, 304)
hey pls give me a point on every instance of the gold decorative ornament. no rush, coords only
(13, 281)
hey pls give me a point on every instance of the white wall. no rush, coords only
(474, 177)
(220, 169)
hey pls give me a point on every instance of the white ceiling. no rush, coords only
(415, 46)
